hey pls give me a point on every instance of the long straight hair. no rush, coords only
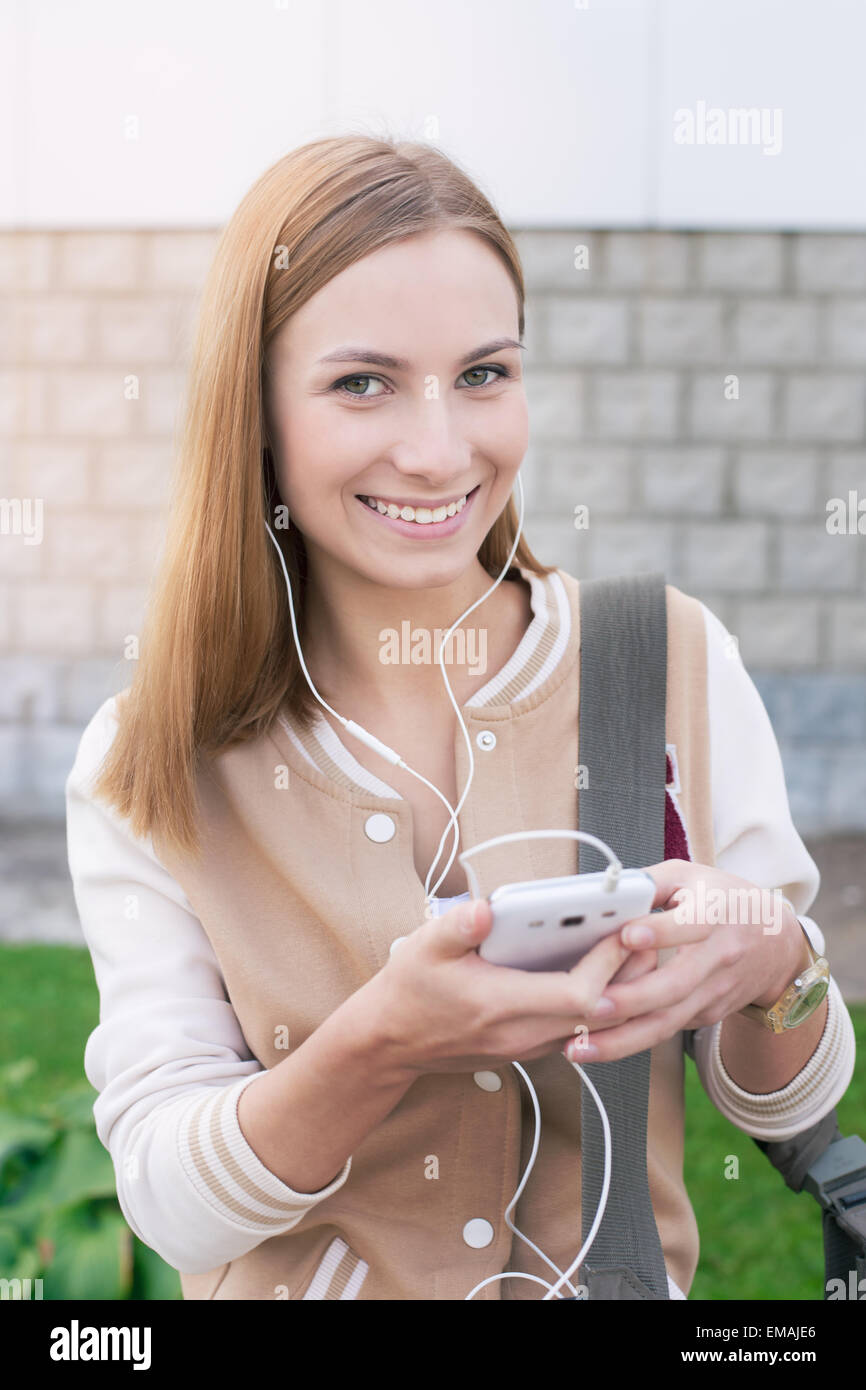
(217, 657)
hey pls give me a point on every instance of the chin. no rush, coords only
(420, 571)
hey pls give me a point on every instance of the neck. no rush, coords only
(380, 643)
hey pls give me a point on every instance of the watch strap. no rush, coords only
(770, 1016)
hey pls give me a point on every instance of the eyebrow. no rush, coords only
(402, 364)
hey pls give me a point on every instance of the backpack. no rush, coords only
(624, 648)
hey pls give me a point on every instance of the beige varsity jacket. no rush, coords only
(301, 897)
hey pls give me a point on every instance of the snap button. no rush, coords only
(379, 828)
(478, 1233)
(487, 1080)
(486, 740)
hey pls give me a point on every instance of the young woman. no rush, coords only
(295, 1108)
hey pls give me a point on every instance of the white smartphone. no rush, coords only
(550, 923)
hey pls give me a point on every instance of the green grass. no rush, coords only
(759, 1240)
(49, 1004)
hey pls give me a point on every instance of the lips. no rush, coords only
(419, 519)
(423, 515)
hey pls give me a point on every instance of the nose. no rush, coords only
(431, 444)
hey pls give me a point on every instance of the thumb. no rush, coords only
(463, 927)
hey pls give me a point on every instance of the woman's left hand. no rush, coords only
(735, 944)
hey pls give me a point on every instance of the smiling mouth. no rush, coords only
(421, 515)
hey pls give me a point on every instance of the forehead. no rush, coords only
(444, 287)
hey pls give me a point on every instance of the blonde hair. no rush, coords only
(217, 657)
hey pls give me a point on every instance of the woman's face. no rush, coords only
(425, 407)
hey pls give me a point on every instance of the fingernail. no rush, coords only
(472, 918)
(581, 1051)
(638, 936)
(604, 1006)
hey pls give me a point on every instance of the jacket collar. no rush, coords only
(530, 667)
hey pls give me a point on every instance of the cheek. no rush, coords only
(508, 435)
(503, 440)
(317, 458)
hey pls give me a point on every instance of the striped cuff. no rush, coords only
(229, 1174)
(340, 1274)
(810, 1095)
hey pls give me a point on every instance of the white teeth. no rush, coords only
(422, 515)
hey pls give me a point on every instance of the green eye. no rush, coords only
(346, 386)
(499, 372)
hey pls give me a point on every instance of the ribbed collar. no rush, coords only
(530, 666)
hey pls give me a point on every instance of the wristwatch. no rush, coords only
(801, 998)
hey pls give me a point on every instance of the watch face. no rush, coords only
(807, 1004)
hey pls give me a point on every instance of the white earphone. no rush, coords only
(391, 756)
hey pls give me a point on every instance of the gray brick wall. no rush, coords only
(726, 490)
(702, 393)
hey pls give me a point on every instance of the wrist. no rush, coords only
(794, 956)
(369, 1034)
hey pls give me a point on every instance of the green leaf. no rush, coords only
(78, 1168)
(28, 1179)
(84, 1169)
(10, 1244)
(153, 1279)
(22, 1136)
(75, 1107)
(27, 1264)
(91, 1256)
(14, 1074)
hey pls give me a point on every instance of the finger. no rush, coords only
(639, 963)
(665, 987)
(612, 1044)
(459, 930)
(668, 876)
(663, 929)
(561, 994)
(550, 1035)
(601, 963)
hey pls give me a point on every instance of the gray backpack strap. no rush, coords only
(623, 685)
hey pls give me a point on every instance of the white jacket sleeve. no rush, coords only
(756, 839)
(168, 1057)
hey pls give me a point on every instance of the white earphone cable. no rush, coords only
(396, 760)
(523, 1181)
(382, 748)
(611, 878)
(553, 1289)
(465, 792)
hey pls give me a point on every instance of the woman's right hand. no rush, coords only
(437, 1006)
